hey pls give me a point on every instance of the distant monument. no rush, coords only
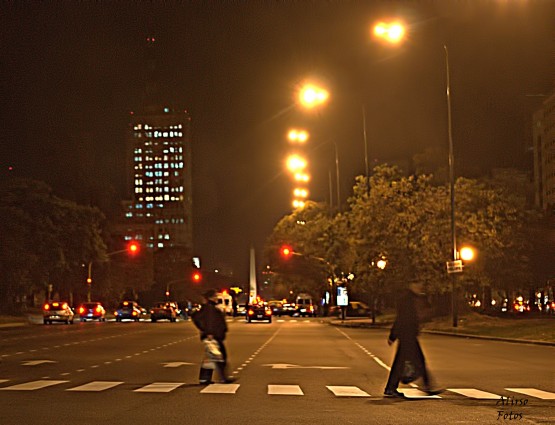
(252, 279)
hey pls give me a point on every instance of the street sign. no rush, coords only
(454, 266)
(342, 296)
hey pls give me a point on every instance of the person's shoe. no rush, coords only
(229, 380)
(202, 382)
(393, 393)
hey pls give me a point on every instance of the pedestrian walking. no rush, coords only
(409, 363)
(213, 327)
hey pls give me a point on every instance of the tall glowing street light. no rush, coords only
(311, 95)
(394, 33)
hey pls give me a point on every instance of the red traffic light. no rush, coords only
(197, 276)
(286, 251)
(133, 247)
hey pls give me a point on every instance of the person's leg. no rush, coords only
(222, 366)
(395, 372)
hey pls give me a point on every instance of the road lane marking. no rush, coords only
(284, 390)
(96, 386)
(544, 395)
(34, 385)
(159, 387)
(346, 391)
(220, 389)
(36, 362)
(414, 393)
(474, 393)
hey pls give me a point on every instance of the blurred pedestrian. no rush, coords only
(210, 320)
(409, 363)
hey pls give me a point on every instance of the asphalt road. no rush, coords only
(292, 371)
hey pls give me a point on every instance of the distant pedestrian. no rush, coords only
(212, 325)
(409, 363)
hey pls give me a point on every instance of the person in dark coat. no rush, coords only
(405, 330)
(210, 320)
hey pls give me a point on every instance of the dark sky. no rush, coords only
(71, 72)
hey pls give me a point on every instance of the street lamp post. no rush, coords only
(454, 270)
(394, 33)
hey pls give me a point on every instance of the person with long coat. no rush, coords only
(405, 330)
(210, 320)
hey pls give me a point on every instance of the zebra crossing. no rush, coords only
(272, 390)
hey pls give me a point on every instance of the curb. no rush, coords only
(492, 338)
(443, 333)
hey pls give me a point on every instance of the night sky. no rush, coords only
(72, 71)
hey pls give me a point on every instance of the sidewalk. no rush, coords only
(364, 322)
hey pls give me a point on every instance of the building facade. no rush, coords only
(544, 154)
(158, 213)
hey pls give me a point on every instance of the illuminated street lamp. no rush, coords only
(296, 163)
(301, 177)
(391, 32)
(311, 96)
(466, 253)
(297, 136)
(300, 192)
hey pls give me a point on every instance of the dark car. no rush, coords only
(163, 311)
(128, 310)
(277, 308)
(92, 311)
(57, 311)
(259, 312)
(354, 309)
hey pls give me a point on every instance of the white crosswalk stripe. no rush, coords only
(416, 393)
(532, 392)
(96, 386)
(159, 387)
(220, 389)
(284, 390)
(346, 391)
(33, 385)
(474, 393)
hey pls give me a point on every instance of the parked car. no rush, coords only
(354, 309)
(93, 311)
(163, 311)
(57, 311)
(259, 312)
(129, 310)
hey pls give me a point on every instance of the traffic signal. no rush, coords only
(286, 251)
(197, 276)
(132, 247)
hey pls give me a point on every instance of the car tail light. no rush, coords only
(268, 312)
(311, 308)
(64, 306)
(116, 313)
(251, 312)
(46, 307)
(98, 309)
(55, 304)
(134, 313)
(81, 310)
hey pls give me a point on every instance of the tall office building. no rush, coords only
(159, 214)
(544, 154)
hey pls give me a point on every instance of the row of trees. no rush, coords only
(406, 221)
(45, 241)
